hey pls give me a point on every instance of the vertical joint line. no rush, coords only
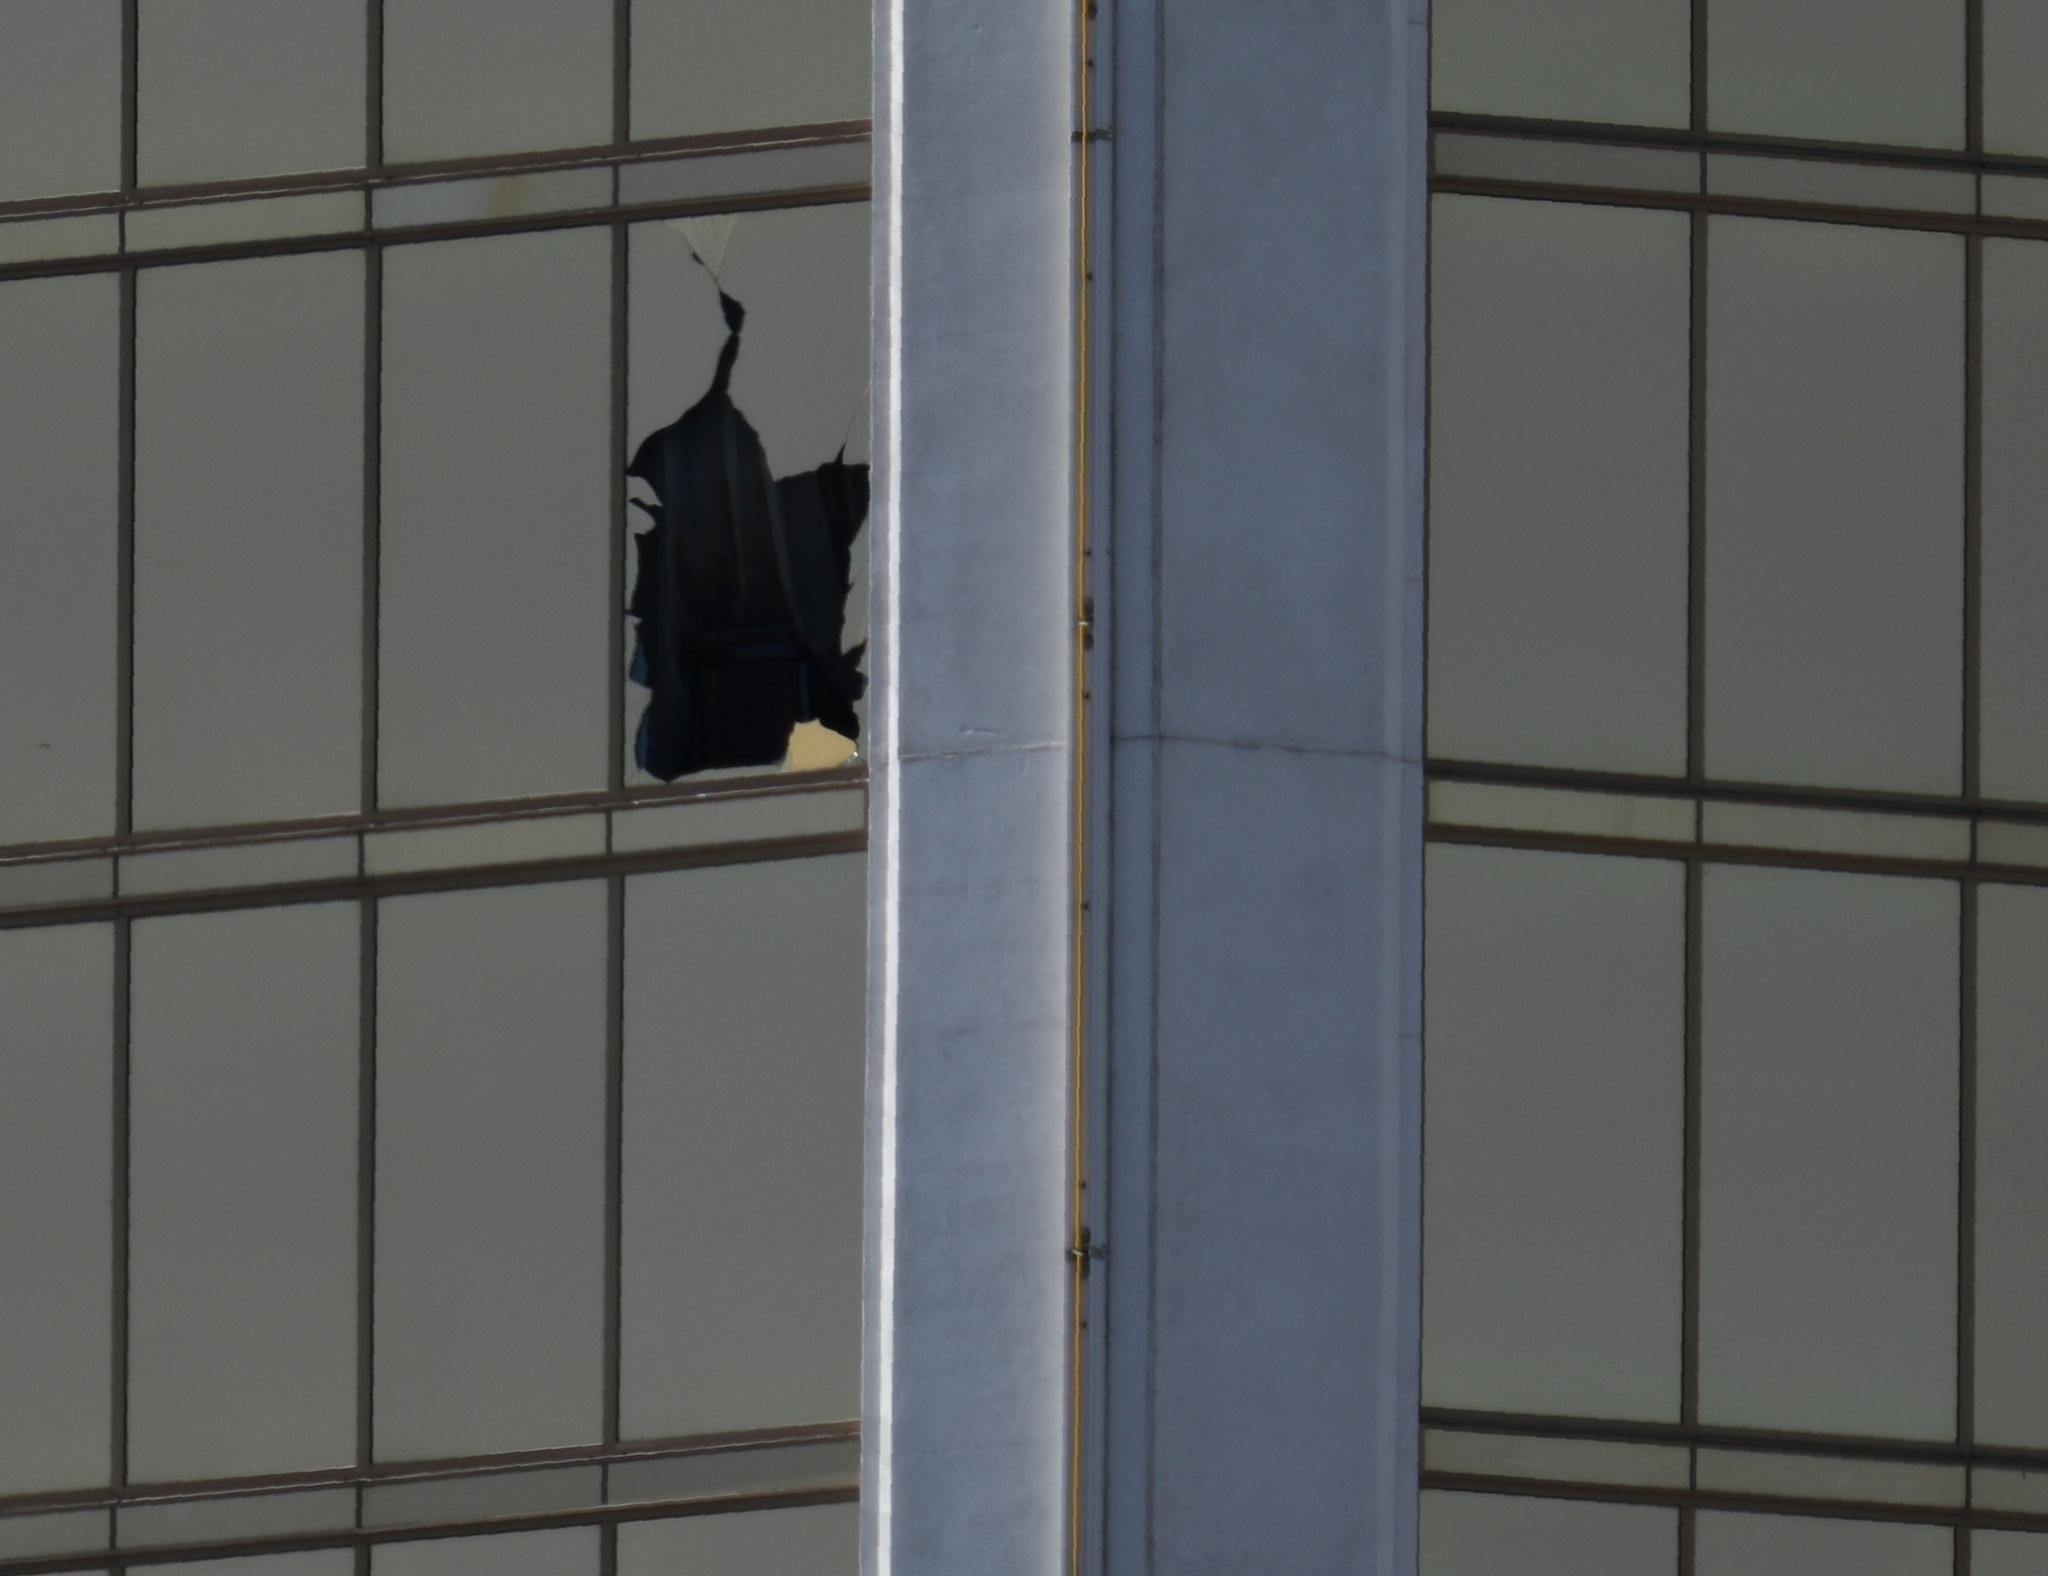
(1966, 1172)
(1689, 1318)
(1973, 77)
(615, 582)
(622, 72)
(1696, 512)
(373, 112)
(614, 1147)
(1698, 72)
(124, 593)
(366, 1190)
(131, 24)
(373, 513)
(118, 1432)
(1973, 513)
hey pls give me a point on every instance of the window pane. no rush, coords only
(817, 1540)
(1828, 1153)
(1879, 71)
(1553, 1171)
(1738, 1545)
(490, 1170)
(242, 1192)
(496, 585)
(59, 497)
(1509, 57)
(1490, 1534)
(734, 65)
(248, 540)
(1558, 506)
(800, 380)
(2008, 1554)
(2014, 575)
(2015, 62)
(56, 1227)
(2012, 1184)
(744, 1041)
(469, 77)
(60, 97)
(232, 88)
(1834, 505)
(563, 1551)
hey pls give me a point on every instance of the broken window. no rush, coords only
(740, 588)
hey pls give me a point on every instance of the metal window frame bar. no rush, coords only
(1730, 790)
(1691, 139)
(1694, 1500)
(379, 176)
(363, 1539)
(435, 1469)
(1712, 1436)
(457, 879)
(750, 787)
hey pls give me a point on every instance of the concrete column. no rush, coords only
(965, 1401)
(1256, 808)
(1262, 814)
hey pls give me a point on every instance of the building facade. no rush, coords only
(367, 1011)
(1427, 956)
(1733, 1207)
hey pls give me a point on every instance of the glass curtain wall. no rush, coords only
(1738, 881)
(430, 1123)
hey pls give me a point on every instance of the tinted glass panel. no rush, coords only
(248, 540)
(233, 88)
(56, 1224)
(490, 1170)
(60, 501)
(744, 1036)
(716, 65)
(495, 580)
(470, 77)
(1834, 505)
(242, 1203)
(60, 97)
(1558, 506)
